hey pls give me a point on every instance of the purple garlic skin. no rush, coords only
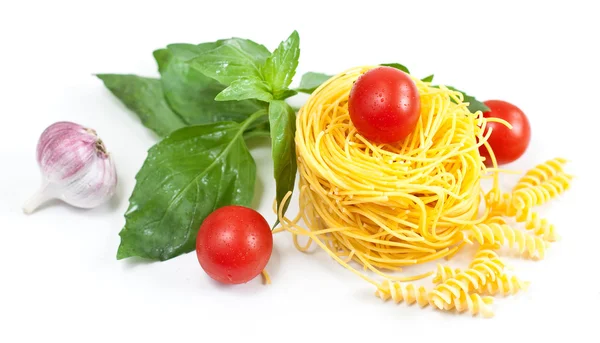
(75, 166)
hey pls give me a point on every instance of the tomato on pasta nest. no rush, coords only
(384, 105)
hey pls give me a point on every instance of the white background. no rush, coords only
(59, 275)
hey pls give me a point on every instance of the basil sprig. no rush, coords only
(210, 98)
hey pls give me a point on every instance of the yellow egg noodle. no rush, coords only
(385, 207)
(266, 277)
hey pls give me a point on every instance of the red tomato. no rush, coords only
(507, 144)
(234, 244)
(384, 105)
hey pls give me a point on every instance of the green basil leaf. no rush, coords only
(185, 177)
(246, 88)
(282, 120)
(226, 64)
(397, 66)
(262, 131)
(191, 94)
(186, 51)
(427, 78)
(284, 94)
(144, 96)
(474, 104)
(256, 51)
(280, 67)
(311, 81)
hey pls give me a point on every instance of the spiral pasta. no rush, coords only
(398, 292)
(468, 280)
(524, 214)
(541, 227)
(473, 302)
(487, 253)
(519, 204)
(485, 268)
(497, 281)
(444, 273)
(527, 245)
(504, 285)
(541, 173)
(378, 209)
(540, 194)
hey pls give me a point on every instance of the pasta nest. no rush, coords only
(389, 205)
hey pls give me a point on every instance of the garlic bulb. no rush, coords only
(75, 166)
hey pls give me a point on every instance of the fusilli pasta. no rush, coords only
(541, 194)
(473, 302)
(504, 285)
(400, 292)
(541, 227)
(444, 273)
(541, 173)
(528, 246)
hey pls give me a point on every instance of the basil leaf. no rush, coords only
(280, 67)
(397, 66)
(144, 96)
(246, 88)
(282, 120)
(191, 94)
(256, 51)
(227, 63)
(427, 78)
(186, 51)
(474, 104)
(262, 131)
(284, 94)
(311, 81)
(185, 177)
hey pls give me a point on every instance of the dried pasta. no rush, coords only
(541, 173)
(378, 209)
(473, 302)
(541, 227)
(523, 214)
(485, 253)
(527, 245)
(519, 204)
(444, 273)
(408, 293)
(504, 285)
(542, 193)
(469, 280)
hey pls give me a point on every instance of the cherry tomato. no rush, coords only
(507, 144)
(234, 244)
(384, 105)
